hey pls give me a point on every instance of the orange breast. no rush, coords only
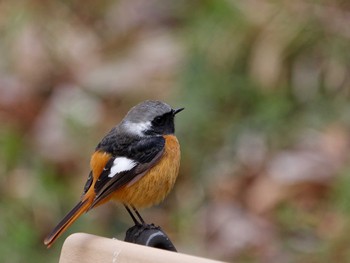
(155, 185)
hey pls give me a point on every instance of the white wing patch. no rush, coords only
(121, 164)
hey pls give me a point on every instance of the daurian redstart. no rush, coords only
(136, 163)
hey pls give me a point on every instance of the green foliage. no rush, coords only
(341, 193)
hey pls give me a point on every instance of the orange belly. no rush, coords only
(155, 185)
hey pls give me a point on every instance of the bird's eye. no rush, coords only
(158, 120)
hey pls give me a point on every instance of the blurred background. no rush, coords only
(265, 173)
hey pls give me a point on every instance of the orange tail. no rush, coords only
(69, 219)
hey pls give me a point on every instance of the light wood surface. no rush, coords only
(85, 248)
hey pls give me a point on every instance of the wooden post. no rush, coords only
(85, 248)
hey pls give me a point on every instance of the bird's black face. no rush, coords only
(163, 124)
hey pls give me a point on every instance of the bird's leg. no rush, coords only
(140, 227)
(138, 215)
(143, 223)
(146, 234)
(132, 215)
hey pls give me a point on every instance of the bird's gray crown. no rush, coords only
(146, 111)
(139, 118)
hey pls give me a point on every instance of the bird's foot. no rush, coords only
(138, 229)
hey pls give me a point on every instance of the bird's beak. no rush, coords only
(178, 110)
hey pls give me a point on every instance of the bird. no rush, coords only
(136, 164)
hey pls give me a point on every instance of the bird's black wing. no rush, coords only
(137, 157)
